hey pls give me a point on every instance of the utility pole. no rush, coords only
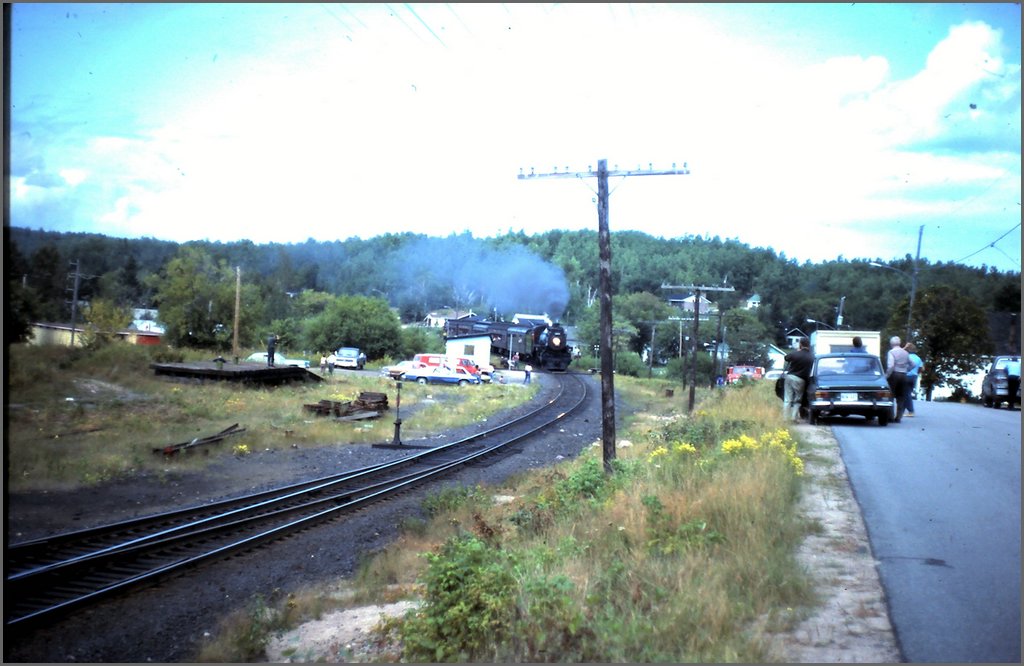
(719, 340)
(74, 297)
(913, 284)
(697, 289)
(605, 262)
(238, 308)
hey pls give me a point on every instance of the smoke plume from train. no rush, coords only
(473, 273)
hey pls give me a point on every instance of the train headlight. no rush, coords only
(556, 341)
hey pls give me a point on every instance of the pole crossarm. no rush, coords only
(590, 173)
(605, 265)
(696, 289)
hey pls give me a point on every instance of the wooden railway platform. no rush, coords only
(250, 373)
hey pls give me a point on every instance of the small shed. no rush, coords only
(476, 347)
(52, 333)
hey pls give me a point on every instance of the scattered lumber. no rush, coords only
(368, 405)
(172, 449)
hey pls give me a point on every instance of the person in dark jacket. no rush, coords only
(798, 372)
(271, 345)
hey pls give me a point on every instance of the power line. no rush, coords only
(990, 245)
(418, 18)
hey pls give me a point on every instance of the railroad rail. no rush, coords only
(56, 574)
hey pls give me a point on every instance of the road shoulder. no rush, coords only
(851, 624)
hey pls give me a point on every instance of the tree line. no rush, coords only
(320, 294)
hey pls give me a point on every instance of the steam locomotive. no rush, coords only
(542, 345)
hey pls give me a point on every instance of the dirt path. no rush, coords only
(852, 623)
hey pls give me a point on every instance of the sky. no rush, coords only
(819, 131)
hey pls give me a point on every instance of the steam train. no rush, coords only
(542, 345)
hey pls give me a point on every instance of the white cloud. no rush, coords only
(378, 127)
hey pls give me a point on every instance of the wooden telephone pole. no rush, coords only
(238, 310)
(605, 255)
(696, 289)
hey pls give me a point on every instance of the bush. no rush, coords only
(469, 606)
(628, 363)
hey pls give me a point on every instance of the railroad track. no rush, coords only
(53, 575)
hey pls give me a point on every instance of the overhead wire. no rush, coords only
(993, 246)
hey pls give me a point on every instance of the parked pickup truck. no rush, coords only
(1002, 382)
(350, 357)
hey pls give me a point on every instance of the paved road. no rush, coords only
(940, 495)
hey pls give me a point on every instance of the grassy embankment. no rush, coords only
(80, 417)
(685, 553)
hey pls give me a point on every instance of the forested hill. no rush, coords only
(555, 272)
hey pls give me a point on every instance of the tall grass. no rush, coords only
(677, 556)
(79, 417)
(673, 558)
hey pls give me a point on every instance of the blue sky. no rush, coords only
(818, 131)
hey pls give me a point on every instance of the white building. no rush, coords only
(476, 347)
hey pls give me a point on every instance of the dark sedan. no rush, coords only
(850, 385)
(1002, 383)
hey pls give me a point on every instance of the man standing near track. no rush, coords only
(271, 344)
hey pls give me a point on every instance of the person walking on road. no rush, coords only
(798, 372)
(916, 364)
(897, 364)
(527, 370)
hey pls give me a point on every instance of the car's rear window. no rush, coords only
(860, 365)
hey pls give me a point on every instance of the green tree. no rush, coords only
(20, 311)
(640, 313)
(356, 321)
(196, 298)
(950, 331)
(104, 320)
(419, 340)
(48, 278)
(746, 337)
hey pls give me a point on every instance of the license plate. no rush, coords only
(847, 397)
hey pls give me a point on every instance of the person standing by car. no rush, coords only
(271, 344)
(332, 359)
(897, 364)
(798, 372)
(858, 346)
(916, 364)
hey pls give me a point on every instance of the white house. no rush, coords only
(793, 337)
(685, 303)
(776, 358)
(437, 318)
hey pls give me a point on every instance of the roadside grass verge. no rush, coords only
(81, 417)
(686, 553)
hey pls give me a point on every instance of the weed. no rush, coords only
(468, 607)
